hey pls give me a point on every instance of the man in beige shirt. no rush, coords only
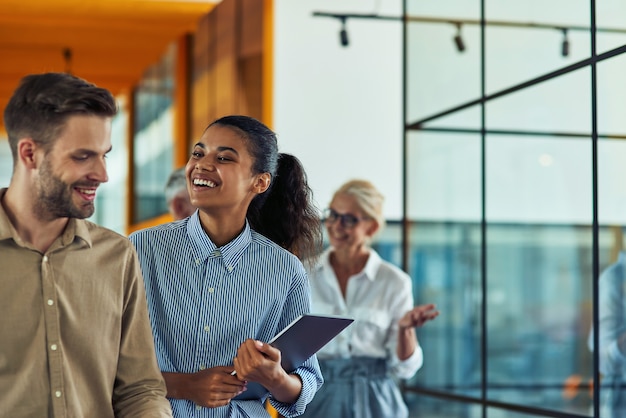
(75, 340)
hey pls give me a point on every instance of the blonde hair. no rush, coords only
(367, 196)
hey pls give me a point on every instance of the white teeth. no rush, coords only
(201, 182)
(87, 191)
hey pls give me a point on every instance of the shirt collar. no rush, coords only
(75, 228)
(369, 271)
(373, 265)
(203, 247)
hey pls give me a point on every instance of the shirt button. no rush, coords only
(198, 407)
(53, 347)
(50, 302)
(57, 393)
(45, 258)
(211, 290)
(207, 328)
(202, 367)
(229, 268)
(197, 261)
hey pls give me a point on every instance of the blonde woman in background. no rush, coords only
(360, 365)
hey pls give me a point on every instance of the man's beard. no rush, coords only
(54, 197)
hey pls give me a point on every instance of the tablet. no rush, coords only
(305, 336)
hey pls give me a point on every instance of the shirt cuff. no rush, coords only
(407, 368)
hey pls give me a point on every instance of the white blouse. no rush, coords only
(376, 298)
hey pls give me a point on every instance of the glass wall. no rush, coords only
(153, 147)
(514, 158)
(112, 197)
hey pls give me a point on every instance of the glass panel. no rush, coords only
(153, 141)
(444, 263)
(612, 212)
(539, 263)
(518, 54)
(444, 195)
(434, 82)
(427, 407)
(561, 105)
(468, 118)
(503, 413)
(610, 19)
(452, 9)
(538, 180)
(538, 313)
(443, 175)
(111, 200)
(6, 161)
(611, 97)
(525, 39)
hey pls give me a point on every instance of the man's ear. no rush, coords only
(26, 149)
(262, 182)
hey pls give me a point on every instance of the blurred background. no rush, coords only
(495, 129)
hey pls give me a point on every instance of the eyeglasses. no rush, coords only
(347, 220)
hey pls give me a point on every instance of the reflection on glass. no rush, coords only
(6, 161)
(153, 138)
(111, 200)
(426, 407)
(612, 338)
(538, 311)
(518, 54)
(530, 264)
(439, 79)
(561, 104)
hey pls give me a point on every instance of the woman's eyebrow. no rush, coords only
(221, 149)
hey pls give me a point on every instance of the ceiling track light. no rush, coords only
(343, 33)
(67, 57)
(565, 44)
(458, 40)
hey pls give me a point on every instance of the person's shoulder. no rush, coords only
(100, 236)
(162, 230)
(99, 232)
(615, 271)
(271, 247)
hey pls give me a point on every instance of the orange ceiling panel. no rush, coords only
(112, 42)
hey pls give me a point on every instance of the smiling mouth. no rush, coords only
(87, 194)
(203, 183)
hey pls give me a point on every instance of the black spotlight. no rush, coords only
(343, 33)
(458, 40)
(565, 44)
(67, 57)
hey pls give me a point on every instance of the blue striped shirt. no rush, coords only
(204, 301)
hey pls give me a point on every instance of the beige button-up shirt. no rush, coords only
(75, 340)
